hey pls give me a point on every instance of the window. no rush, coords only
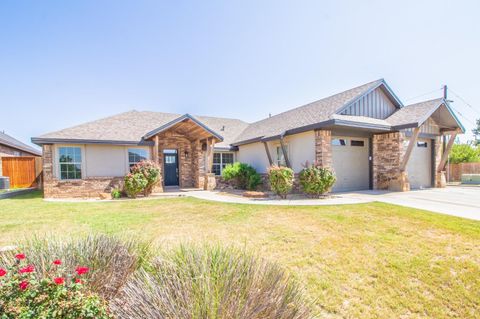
(70, 162)
(220, 160)
(422, 144)
(339, 142)
(357, 143)
(280, 159)
(136, 155)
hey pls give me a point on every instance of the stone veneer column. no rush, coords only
(323, 148)
(47, 159)
(388, 152)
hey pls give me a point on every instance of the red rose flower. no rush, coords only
(27, 269)
(3, 272)
(20, 256)
(23, 285)
(59, 280)
(78, 281)
(82, 270)
(57, 262)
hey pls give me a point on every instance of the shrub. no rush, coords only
(281, 180)
(59, 293)
(244, 176)
(151, 172)
(316, 180)
(135, 184)
(210, 282)
(116, 193)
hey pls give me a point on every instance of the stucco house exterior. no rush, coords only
(365, 134)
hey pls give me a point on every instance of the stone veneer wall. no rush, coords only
(438, 156)
(323, 148)
(90, 187)
(387, 152)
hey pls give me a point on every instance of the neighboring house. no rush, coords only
(11, 150)
(365, 134)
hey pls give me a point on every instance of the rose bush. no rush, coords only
(55, 294)
(316, 180)
(281, 180)
(135, 184)
(151, 172)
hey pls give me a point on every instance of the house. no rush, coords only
(17, 161)
(366, 134)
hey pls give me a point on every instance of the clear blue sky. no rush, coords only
(67, 62)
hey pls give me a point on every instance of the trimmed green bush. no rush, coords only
(151, 171)
(135, 184)
(316, 181)
(116, 193)
(281, 180)
(210, 282)
(244, 176)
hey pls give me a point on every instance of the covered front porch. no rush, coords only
(183, 148)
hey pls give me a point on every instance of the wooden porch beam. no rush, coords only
(268, 153)
(284, 151)
(210, 144)
(447, 150)
(411, 145)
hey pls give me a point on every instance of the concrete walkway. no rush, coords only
(290, 201)
(456, 200)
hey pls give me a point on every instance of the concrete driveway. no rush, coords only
(462, 201)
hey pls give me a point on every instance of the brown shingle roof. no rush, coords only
(7, 140)
(312, 113)
(132, 126)
(414, 113)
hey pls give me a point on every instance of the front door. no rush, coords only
(170, 166)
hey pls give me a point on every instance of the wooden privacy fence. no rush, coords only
(21, 170)
(455, 171)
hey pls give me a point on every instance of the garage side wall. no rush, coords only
(387, 154)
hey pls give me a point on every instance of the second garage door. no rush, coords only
(419, 167)
(350, 162)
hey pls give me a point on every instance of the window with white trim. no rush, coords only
(136, 155)
(280, 157)
(220, 160)
(339, 142)
(70, 162)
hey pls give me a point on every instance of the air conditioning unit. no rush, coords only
(4, 182)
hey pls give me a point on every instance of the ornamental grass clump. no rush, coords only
(281, 180)
(210, 282)
(110, 260)
(315, 180)
(55, 291)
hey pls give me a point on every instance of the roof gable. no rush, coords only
(9, 141)
(375, 104)
(305, 116)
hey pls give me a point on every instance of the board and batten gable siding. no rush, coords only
(301, 148)
(429, 127)
(375, 104)
(100, 160)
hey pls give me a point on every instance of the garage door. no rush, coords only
(419, 167)
(350, 162)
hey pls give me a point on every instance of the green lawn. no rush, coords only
(370, 260)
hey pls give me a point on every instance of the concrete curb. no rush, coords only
(14, 193)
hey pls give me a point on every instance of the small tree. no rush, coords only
(151, 171)
(476, 133)
(316, 180)
(281, 180)
(464, 153)
(135, 184)
(244, 176)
